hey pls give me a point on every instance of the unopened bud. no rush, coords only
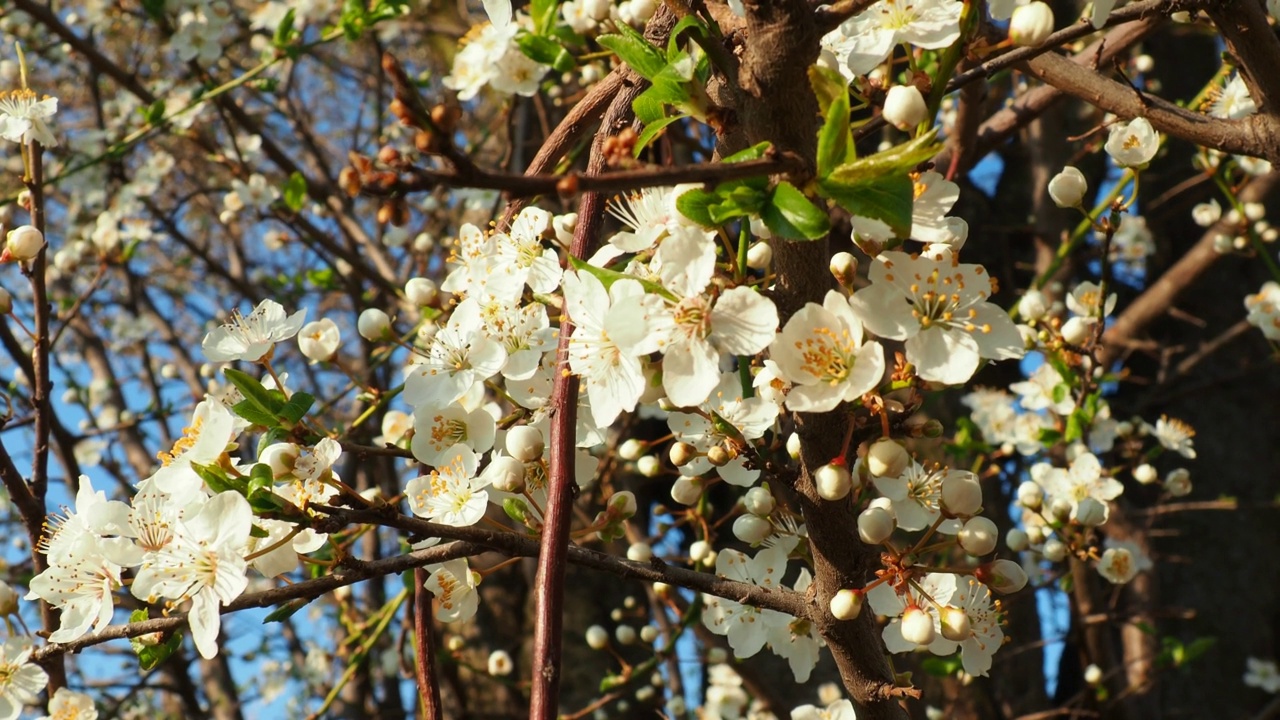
(961, 493)
(1030, 496)
(751, 529)
(1003, 576)
(686, 490)
(875, 525)
(1031, 24)
(1089, 512)
(506, 474)
(758, 501)
(904, 107)
(640, 552)
(917, 626)
(1055, 550)
(631, 449)
(718, 456)
(597, 637)
(979, 536)
(1178, 482)
(759, 255)
(682, 453)
(1016, 540)
(832, 481)
(887, 458)
(373, 324)
(955, 623)
(844, 266)
(525, 443)
(421, 291)
(846, 604)
(23, 243)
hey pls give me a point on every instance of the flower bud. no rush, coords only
(961, 493)
(631, 449)
(23, 243)
(833, 481)
(718, 456)
(844, 266)
(682, 453)
(525, 443)
(1145, 474)
(1206, 213)
(625, 634)
(686, 490)
(1003, 576)
(1178, 482)
(1055, 550)
(649, 466)
(1093, 674)
(1030, 495)
(1060, 509)
(699, 550)
(978, 537)
(1036, 534)
(499, 663)
(875, 525)
(1031, 24)
(597, 637)
(751, 529)
(1033, 305)
(640, 552)
(280, 457)
(917, 626)
(846, 604)
(759, 255)
(904, 107)
(648, 633)
(373, 324)
(1076, 330)
(1016, 540)
(421, 291)
(319, 340)
(887, 458)
(1068, 187)
(793, 446)
(622, 505)
(955, 623)
(759, 501)
(8, 600)
(506, 474)
(1089, 512)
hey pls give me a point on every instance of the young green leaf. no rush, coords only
(295, 191)
(635, 51)
(887, 198)
(790, 214)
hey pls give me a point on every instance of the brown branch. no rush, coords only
(424, 649)
(1246, 29)
(1256, 135)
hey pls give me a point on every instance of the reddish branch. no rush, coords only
(424, 649)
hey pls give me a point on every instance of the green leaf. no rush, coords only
(295, 191)
(755, 152)
(688, 25)
(297, 406)
(609, 277)
(285, 610)
(149, 656)
(648, 108)
(942, 666)
(153, 114)
(543, 14)
(1049, 436)
(635, 51)
(738, 199)
(790, 214)
(285, 32)
(696, 204)
(835, 139)
(878, 186)
(255, 414)
(546, 51)
(828, 85)
(1198, 647)
(154, 8)
(217, 479)
(266, 401)
(652, 131)
(887, 199)
(516, 509)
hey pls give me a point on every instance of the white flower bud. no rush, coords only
(1089, 512)
(718, 456)
(1016, 540)
(597, 637)
(887, 458)
(759, 501)
(421, 291)
(1031, 24)
(955, 623)
(319, 340)
(699, 551)
(631, 449)
(833, 481)
(625, 634)
(1060, 509)
(844, 266)
(846, 604)
(1003, 576)
(751, 529)
(917, 626)
(1178, 482)
(8, 600)
(759, 255)
(793, 446)
(1144, 63)
(979, 536)
(373, 324)
(1055, 550)
(622, 505)
(1036, 535)
(1033, 305)
(682, 453)
(1206, 213)
(640, 552)
(499, 663)
(961, 494)
(1077, 329)
(280, 457)
(1145, 474)
(875, 525)
(1067, 188)
(506, 474)
(23, 243)
(1222, 243)
(1030, 495)
(525, 443)
(686, 490)
(1255, 210)
(649, 466)
(648, 633)
(904, 107)
(1093, 674)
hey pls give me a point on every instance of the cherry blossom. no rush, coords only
(821, 352)
(251, 338)
(21, 681)
(451, 494)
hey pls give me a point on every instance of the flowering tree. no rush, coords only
(624, 359)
